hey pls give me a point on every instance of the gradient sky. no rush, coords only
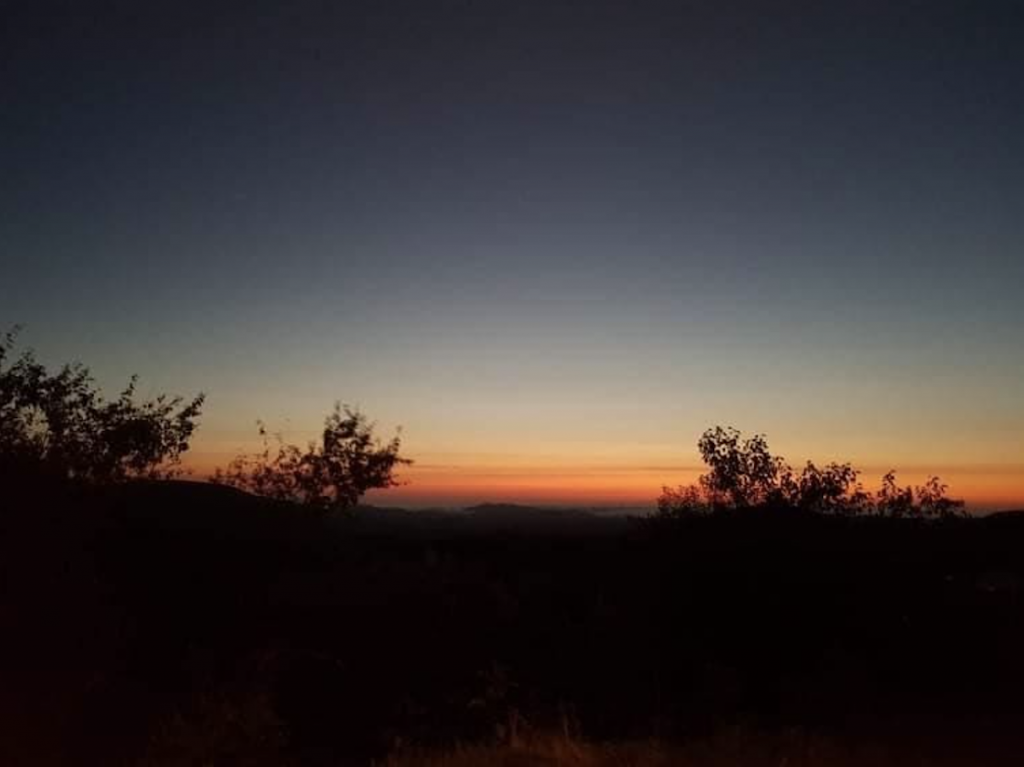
(554, 241)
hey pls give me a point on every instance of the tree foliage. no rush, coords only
(834, 488)
(59, 425)
(742, 473)
(330, 476)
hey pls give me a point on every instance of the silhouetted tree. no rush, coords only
(927, 501)
(330, 476)
(894, 501)
(59, 425)
(743, 473)
(932, 501)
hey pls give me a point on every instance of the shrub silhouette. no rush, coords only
(689, 501)
(834, 488)
(744, 474)
(331, 476)
(927, 501)
(59, 425)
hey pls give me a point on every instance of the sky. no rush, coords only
(553, 241)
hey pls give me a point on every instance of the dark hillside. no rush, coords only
(175, 620)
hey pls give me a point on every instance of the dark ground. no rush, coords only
(159, 623)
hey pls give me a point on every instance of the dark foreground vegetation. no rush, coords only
(178, 623)
(762, 617)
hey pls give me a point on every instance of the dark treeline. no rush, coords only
(161, 622)
(743, 474)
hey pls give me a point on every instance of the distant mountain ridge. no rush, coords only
(502, 507)
(509, 517)
(197, 505)
(516, 509)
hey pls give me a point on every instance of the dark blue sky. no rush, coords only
(507, 224)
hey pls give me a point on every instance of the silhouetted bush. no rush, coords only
(683, 502)
(59, 425)
(331, 476)
(743, 473)
(927, 501)
(833, 489)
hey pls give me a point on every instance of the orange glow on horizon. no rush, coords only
(511, 479)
